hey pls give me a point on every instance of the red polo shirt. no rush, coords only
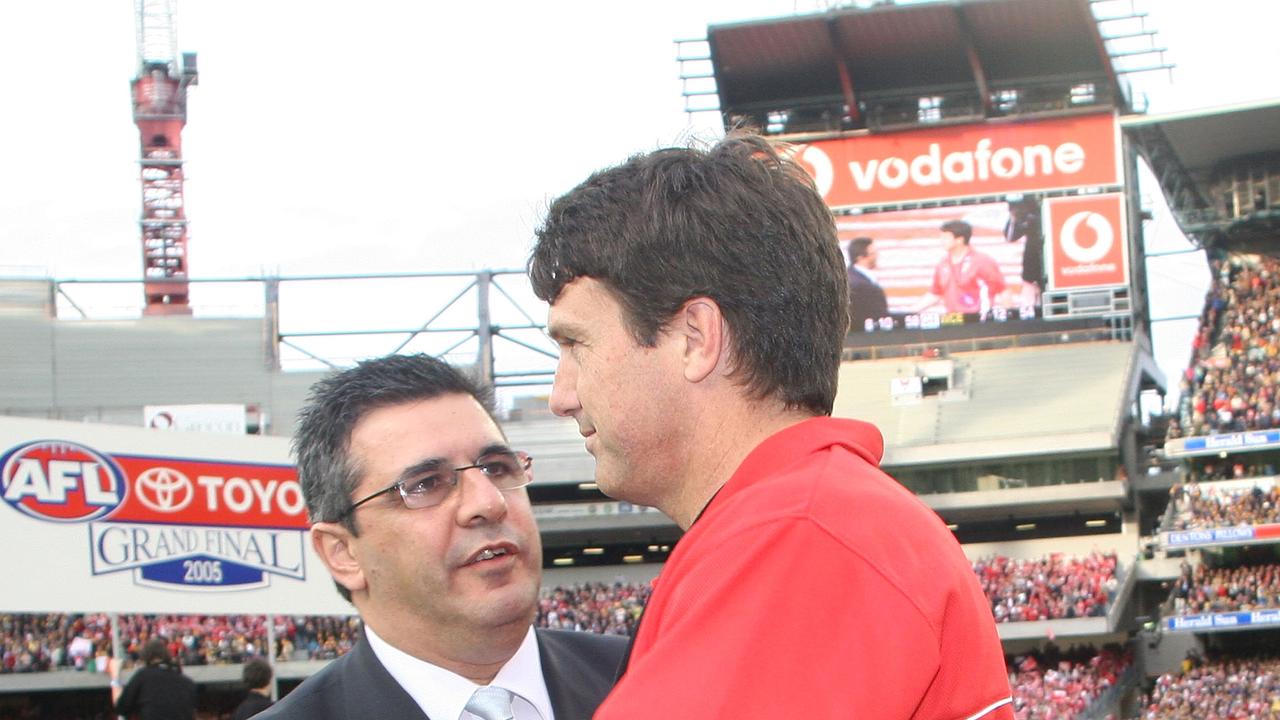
(959, 284)
(816, 586)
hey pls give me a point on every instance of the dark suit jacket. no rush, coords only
(866, 300)
(578, 668)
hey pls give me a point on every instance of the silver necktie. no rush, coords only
(491, 703)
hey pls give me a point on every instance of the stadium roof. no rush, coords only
(1198, 157)
(1203, 138)
(906, 48)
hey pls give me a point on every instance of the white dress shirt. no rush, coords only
(443, 694)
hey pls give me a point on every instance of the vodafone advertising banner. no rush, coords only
(939, 163)
(1087, 240)
(122, 519)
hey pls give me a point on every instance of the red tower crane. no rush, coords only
(160, 112)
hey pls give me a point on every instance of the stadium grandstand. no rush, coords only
(1132, 559)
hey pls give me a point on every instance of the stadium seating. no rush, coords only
(1050, 588)
(1052, 685)
(1217, 690)
(594, 607)
(1206, 505)
(1230, 383)
(1202, 589)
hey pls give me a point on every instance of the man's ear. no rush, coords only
(706, 338)
(333, 543)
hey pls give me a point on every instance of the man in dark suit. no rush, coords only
(866, 297)
(420, 513)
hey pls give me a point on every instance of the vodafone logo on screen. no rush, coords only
(963, 161)
(1088, 246)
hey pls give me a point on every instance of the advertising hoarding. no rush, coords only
(1088, 240)
(122, 519)
(941, 163)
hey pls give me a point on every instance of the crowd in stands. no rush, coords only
(1204, 589)
(1050, 588)
(1232, 469)
(1054, 587)
(1232, 380)
(594, 607)
(1218, 689)
(1196, 506)
(1055, 685)
(56, 641)
(50, 641)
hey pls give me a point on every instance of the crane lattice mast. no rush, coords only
(160, 112)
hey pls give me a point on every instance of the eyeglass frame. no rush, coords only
(523, 460)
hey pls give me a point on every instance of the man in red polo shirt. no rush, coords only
(700, 307)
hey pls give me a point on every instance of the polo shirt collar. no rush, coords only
(793, 444)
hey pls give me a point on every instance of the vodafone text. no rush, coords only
(967, 166)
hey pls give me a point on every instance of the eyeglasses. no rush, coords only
(506, 470)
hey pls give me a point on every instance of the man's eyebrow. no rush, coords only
(561, 329)
(422, 466)
(495, 448)
(435, 463)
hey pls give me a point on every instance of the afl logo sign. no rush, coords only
(1089, 247)
(61, 481)
(163, 489)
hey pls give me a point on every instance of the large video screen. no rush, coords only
(938, 267)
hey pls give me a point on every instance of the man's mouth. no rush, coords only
(489, 553)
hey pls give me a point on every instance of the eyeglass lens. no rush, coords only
(507, 471)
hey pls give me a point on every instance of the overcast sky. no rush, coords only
(386, 135)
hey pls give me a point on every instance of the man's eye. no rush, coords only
(500, 467)
(425, 484)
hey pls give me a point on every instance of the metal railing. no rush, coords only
(488, 318)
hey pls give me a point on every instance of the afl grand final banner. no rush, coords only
(110, 518)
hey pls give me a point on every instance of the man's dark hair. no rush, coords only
(156, 652)
(739, 223)
(256, 673)
(959, 228)
(338, 402)
(858, 248)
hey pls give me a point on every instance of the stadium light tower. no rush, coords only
(160, 111)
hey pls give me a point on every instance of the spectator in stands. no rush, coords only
(158, 690)
(700, 307)
(1051, 588)
(1051, 685)
(1231, 383)
(420, 514)
(1206, 506)
(1218, 689)
(1204, 589)
(594, 607)
(257, 677)
(867, 302)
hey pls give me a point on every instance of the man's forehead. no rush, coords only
(569, 314)
(443, 425)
